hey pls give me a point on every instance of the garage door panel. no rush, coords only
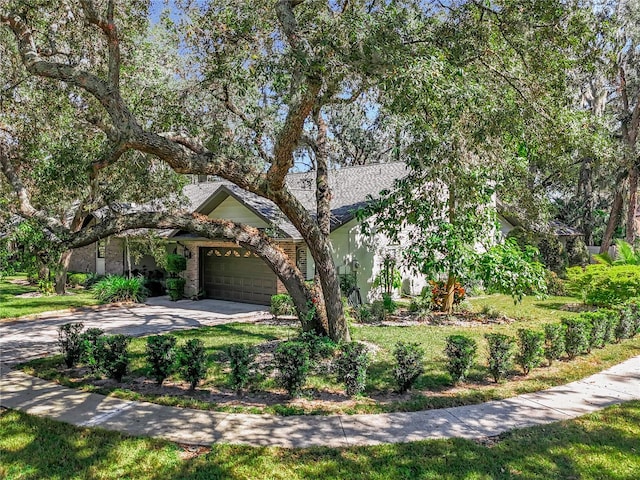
(236, 274)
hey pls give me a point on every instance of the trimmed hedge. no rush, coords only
(604, 285)
(460, 351)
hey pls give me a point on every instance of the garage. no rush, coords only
(237, 275)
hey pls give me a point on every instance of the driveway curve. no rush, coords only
(27, 339)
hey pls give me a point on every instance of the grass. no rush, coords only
(602, 445)
(433, 389)
(12, 306)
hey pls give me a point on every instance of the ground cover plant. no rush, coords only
(19, 298)
(321, 392)
(603, 445)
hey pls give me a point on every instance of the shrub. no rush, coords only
(604, 285)
(632, 310)
(282, 304)
(626, 327)
(175, 288)
(378, 312)
(389, 303)
(555, 285)
(599, 327)
(554, 335)
(176, 263)
(319, 346)
(612, 321)
(577, 252)
(351, 367)
(530, 349)
(500, 355)
(154, 287)
(161, 355)
(112, 356)
(363, 314)
(409, 358)
(192, 361)
(46, 287)
(70, 342)
(460, 352)
(115, 288)
(77, 279)
(552, 253)
(577, 334)
(292, 361)
(241, 358)
(89, 348)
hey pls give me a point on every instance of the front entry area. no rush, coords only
(237, 275)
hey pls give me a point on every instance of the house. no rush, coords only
(220, 269)
(223, 270)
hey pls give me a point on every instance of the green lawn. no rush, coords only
(433, 389)
(603, 446)
(12, 306)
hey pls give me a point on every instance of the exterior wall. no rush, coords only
(83, 259)
(232, 209)
(114, 257)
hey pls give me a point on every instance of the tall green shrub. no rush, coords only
(351, 367)
(460, 351)
(70, 342)
(530, 349)
(554, 341)
(112, 355)
(192, 361)
(500, 355)
(577, 335)
(115, 288)
(161, 355)
(281, 305)
(409, 364)
(89, 348)
(292, 361)
(605, 285)
(241, 359)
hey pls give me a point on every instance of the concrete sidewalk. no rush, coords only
(28, 339)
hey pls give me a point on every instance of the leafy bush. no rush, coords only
(460, 351)
(115, 288)
(282, 304)
(507, 269)
(176, 263)
(612, 321)
(154, 287)
(363, 314)
(351, 367)
(175, 288)
(241, 358)
(293, 364)
(319, 346)
(500, 354)
(112, 356)
(77, 279)
(70, 342)
(604, 285)
(577, 335)
(577, 252)
(161, 355)
(46, 287)
(439, 294)
(389, 303)
(89, 348)
(192, 362)
(628, 323)
(348, 282)
(552, 253)
(632, 309)
(554, 338)
(530, 349)
(378, 312)
(409, 364)
(599, 327)
(555, 285)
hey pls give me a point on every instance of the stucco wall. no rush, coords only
(230, 208)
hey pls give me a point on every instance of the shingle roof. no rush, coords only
(350, 188)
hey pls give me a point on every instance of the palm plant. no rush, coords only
(626, 255)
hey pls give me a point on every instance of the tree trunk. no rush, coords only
(631, 232)
(614, 220)
(450, 295)
(61, 272)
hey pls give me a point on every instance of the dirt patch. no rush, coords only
(21, 282)
(30, 295)
(405, 318)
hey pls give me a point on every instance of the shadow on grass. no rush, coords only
(603, 445)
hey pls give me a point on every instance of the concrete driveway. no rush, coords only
(23, 340)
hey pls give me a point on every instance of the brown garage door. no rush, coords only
(236, 274)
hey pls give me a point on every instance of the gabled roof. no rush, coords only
(350, 188)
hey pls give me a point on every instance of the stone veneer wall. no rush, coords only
(83, 259)
(114, 256)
